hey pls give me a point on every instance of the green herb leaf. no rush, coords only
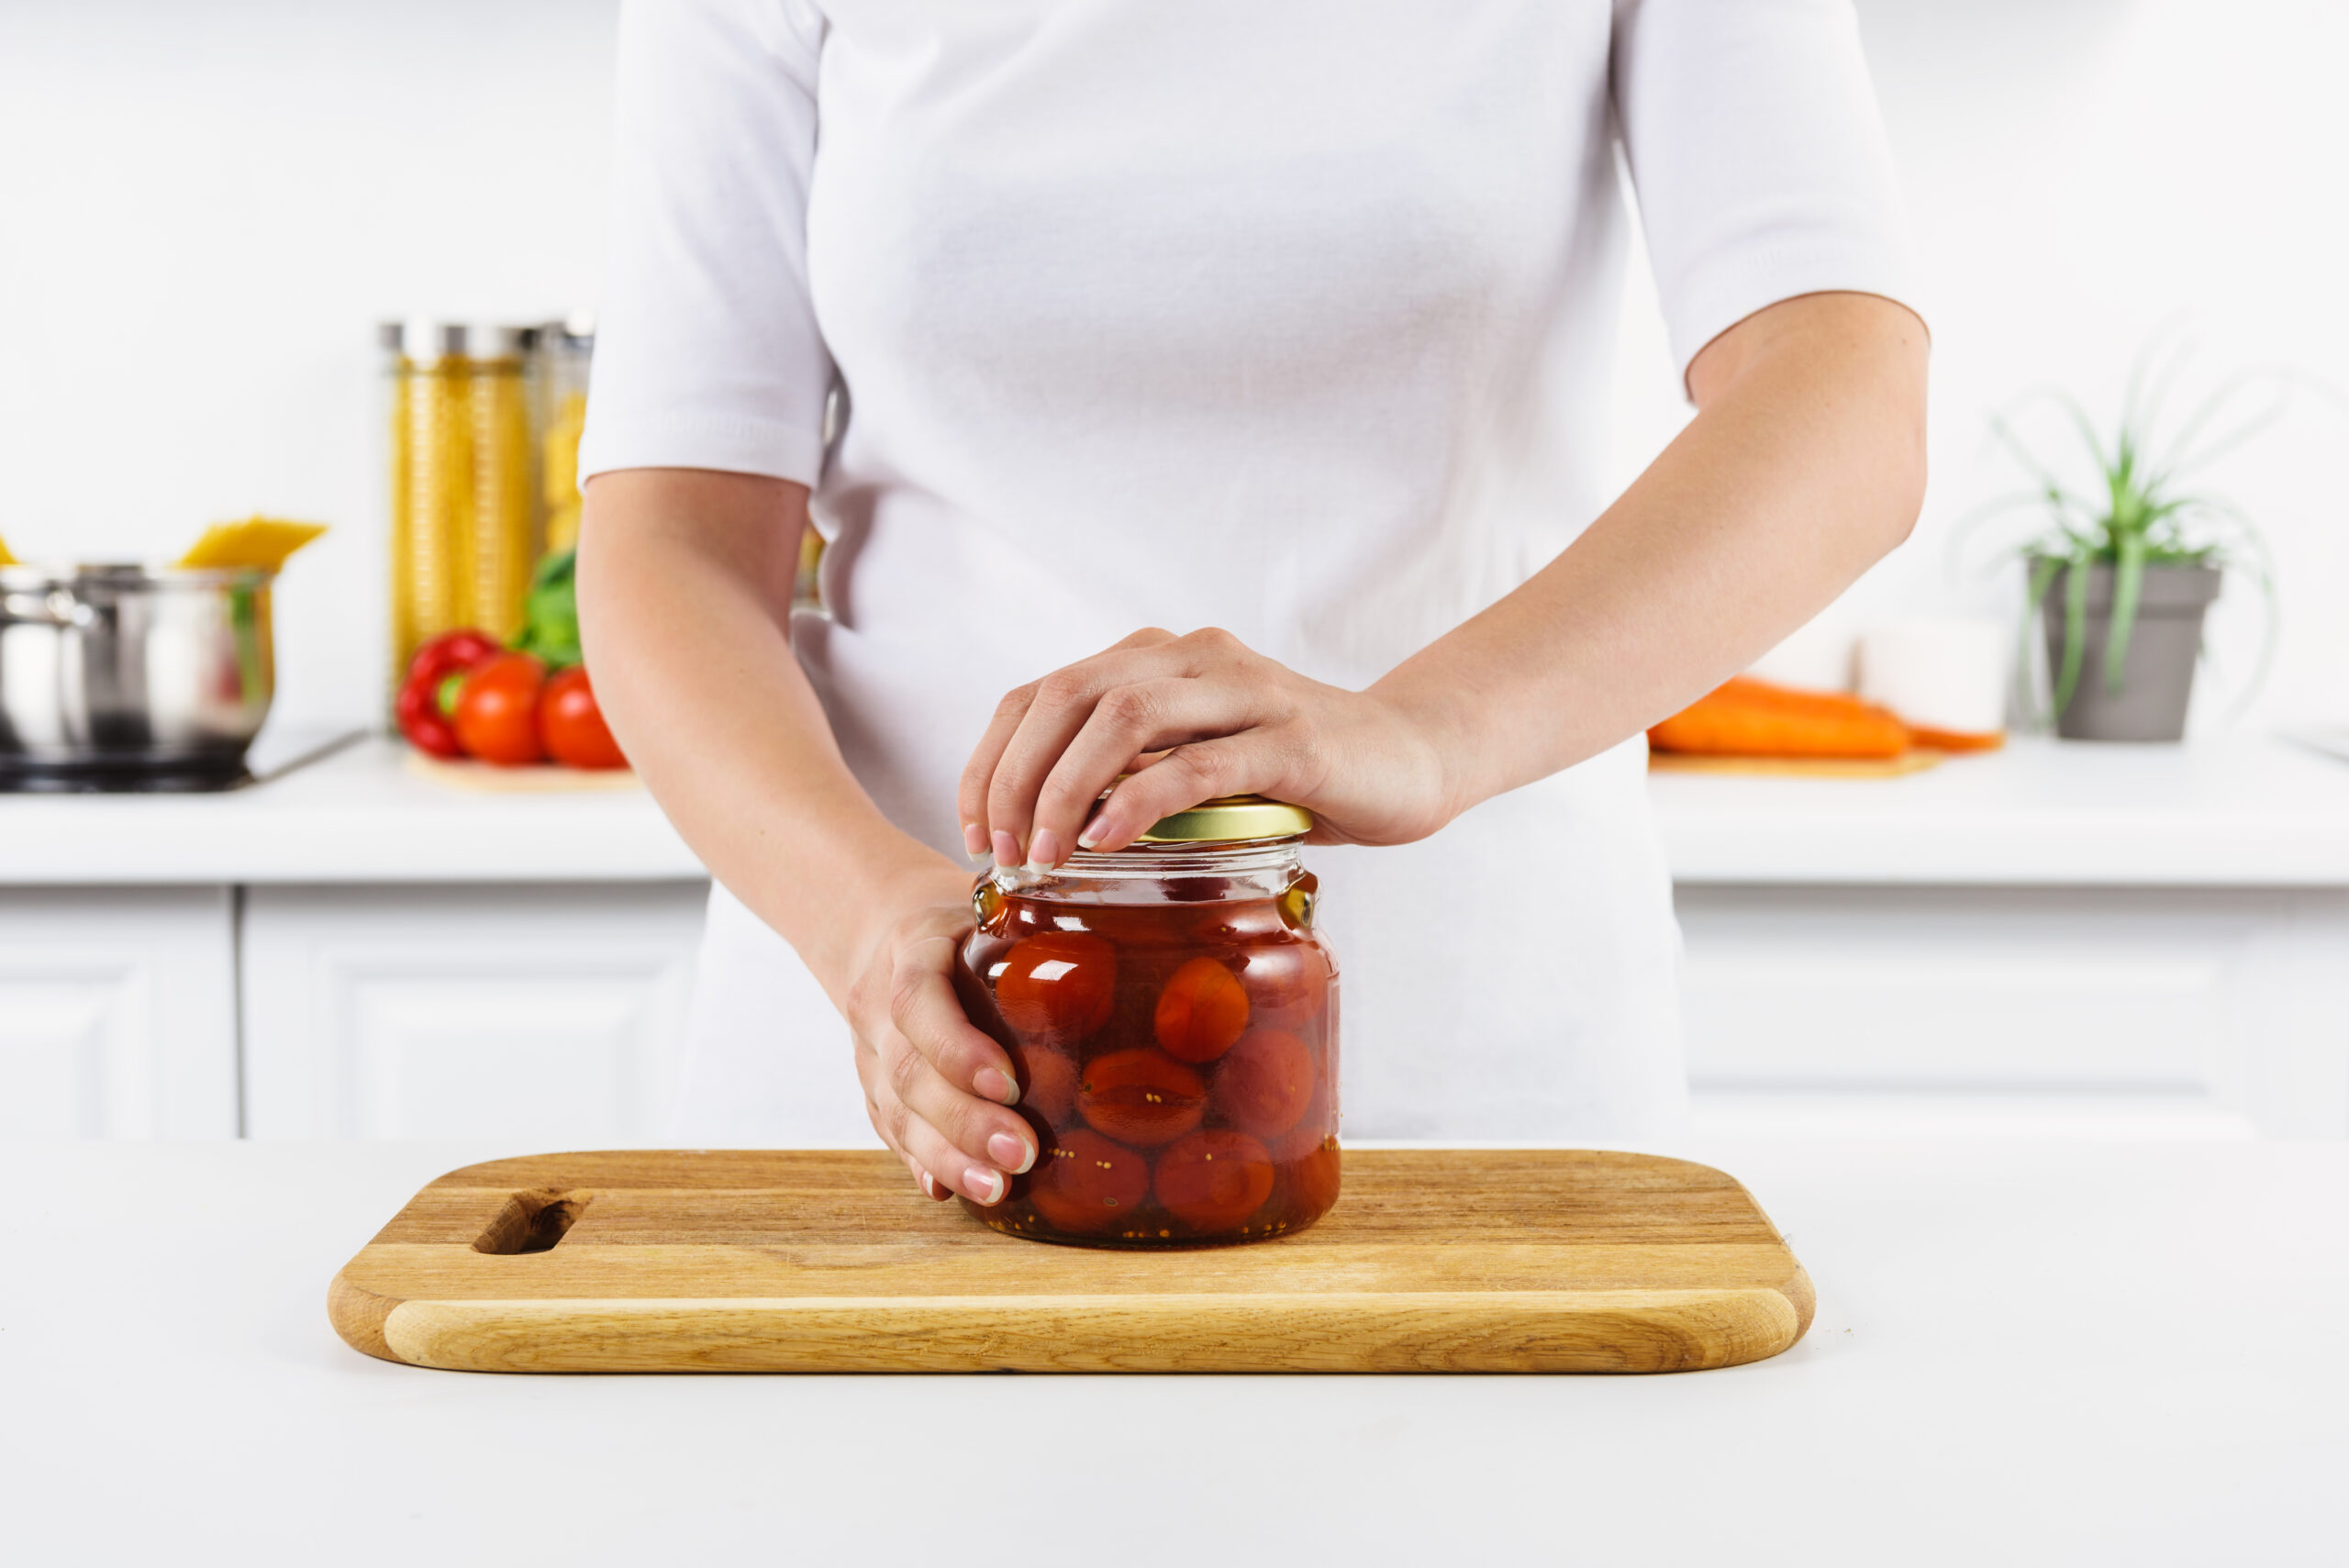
(2075, 630)
(550, 611)
(2128, 590)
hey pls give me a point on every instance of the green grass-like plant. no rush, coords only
(2139, 514)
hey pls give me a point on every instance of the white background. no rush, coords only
(206, 205)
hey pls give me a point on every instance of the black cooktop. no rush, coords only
(19, 777)
(271, 756)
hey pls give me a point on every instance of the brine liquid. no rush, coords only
(1178, 1062)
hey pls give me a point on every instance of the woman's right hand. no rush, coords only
(683, 572)
(938, 1089)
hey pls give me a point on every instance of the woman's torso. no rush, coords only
(1291, 319)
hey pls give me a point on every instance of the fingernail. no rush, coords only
(983, 1185)
(975, 840)
(929, 1188)
(1010, 1153)
(1006, 848)
(1045, 851)
(1093, 833)
(990, 1081)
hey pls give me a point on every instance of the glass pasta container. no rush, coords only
(565, 352)
(464, 489)
(1172, 1016)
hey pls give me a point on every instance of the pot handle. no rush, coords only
(58, 608)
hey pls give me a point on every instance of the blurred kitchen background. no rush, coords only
(206, 208)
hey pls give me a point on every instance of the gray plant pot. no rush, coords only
(2157, 679)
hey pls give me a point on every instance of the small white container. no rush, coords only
(1938, 673)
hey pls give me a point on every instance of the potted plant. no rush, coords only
(2119, 583)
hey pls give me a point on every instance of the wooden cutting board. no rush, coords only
(738, 1261)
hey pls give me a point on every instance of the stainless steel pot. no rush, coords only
(131, 677)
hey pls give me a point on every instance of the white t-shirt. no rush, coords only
(1291, 316)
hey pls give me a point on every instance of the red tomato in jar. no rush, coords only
(1213, 1179)
(1286, 982)
(1201, 1012)
(1266, 1083)
(1315, 1128)
(1084, 1183)
(1057, 985)
(497, 710)
(1047, 1081)
(1313, 1180)
(1197, 889)
(571, 727)
(1236, 923)
(1141, 1097)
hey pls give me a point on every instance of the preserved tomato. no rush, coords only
(1141, 1097)
(1312, 1179)
(1057, 985)
(1267, 1082)
(1171, 1016)
(1213, 1179)
(1085, 1184)
(1201, 1011)
(1047, 1083)
(1286, 983)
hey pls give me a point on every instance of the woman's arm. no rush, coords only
(685, 590)
(1804, 466)
(1804, 463)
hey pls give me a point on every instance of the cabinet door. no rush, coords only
(547, 1016)
(2172, 1007)
(117, 1013)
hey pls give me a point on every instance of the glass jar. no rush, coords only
(463, 497)
(564, 351)
(1172, 1016)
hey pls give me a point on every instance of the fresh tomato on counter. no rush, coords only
(418, 706)
(571, 727)
(464, 695)
(496, 712)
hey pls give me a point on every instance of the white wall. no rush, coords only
(205, 204)
(2080, 174)
(205, 207)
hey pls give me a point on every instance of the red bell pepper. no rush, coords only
(418, 706)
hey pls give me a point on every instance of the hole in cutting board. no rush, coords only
(532, 1221)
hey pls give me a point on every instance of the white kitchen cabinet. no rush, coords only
(542, 1015)
(117, 1012)
(2116, 942)
(2178, 1006)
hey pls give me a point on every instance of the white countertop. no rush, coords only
(2236, 812)
(2241, 813)
(2023, 1354)
(361, 815)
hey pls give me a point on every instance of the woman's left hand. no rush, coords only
(1228, 720)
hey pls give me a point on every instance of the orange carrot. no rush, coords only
(1747, 718)
(1956, 740)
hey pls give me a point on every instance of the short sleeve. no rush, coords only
(707, 351)
(1758, 156)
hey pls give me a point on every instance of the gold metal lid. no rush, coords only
(1233, 818)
